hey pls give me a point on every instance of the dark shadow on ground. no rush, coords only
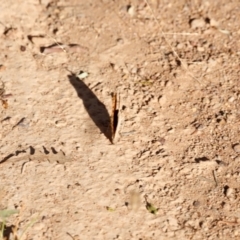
(94, 107)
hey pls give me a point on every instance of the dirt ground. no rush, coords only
(173, 171)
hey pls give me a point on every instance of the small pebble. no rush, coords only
(162, 100)
(214, 23)
(231, 99)
(200, 49)
(197, 23)
(236, 148)
(229, 192)
(22, 48)
(131, 11)
(82, 75)
(120, 41)
(196, 203)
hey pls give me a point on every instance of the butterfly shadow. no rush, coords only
(96, 110)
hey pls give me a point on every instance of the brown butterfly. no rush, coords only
(114, 115)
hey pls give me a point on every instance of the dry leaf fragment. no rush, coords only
(110, 209)
(150, 207)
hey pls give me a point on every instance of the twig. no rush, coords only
(214, 177)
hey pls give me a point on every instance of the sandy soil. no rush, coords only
(173, 170)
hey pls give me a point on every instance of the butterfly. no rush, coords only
(114, 116)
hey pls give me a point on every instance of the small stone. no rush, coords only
(200, 49)
(82, 75)
(134, 70)
(236, 148)
(22, 48)
(196, 203)
(60, 123)
(131, 11)
(120, 41)
(180, 46)
(214, 23)
(162, 100)
(168, 83)
(197, 23)
(229, 192)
